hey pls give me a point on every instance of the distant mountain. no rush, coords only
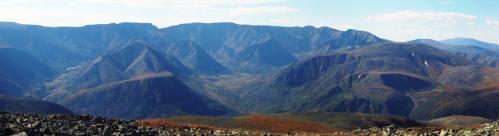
(430, 42)
(473, 42)
(475, 53)
(20, 72)
(148, 96)
(383, 78)
(23, 105)
(472, 49)
(190, 54)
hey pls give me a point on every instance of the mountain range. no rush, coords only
(137, 70)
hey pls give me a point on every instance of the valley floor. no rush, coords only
(32, 124)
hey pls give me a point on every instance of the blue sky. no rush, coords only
(398, 20)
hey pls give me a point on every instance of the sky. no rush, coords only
(397, 20)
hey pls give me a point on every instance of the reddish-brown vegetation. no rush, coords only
(281, 125)
(261, 123)
(488, 85)
(166, 123)
(491, 83)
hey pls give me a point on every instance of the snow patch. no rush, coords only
(412, 54)
(358, 77)
(426, 63)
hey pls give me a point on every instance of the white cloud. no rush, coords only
(409, 25)
(160, 12)
(224, 2)
(176, 3)
(492, 22)
(417, 19)
(17, 2)
(244, 11)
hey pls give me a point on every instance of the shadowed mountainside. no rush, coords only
(20, 72)
(148, 96)
(23, 105)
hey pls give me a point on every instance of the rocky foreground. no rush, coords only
(31, 124)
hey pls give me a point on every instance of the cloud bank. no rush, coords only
(418, 19)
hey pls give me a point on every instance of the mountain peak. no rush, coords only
(189, 53)
(130, 46)
(126, 24)
(11, 25)
(426, 41)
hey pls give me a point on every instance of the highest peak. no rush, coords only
(126, 24)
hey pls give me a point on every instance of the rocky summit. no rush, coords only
(31, 125)
(20, 124)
